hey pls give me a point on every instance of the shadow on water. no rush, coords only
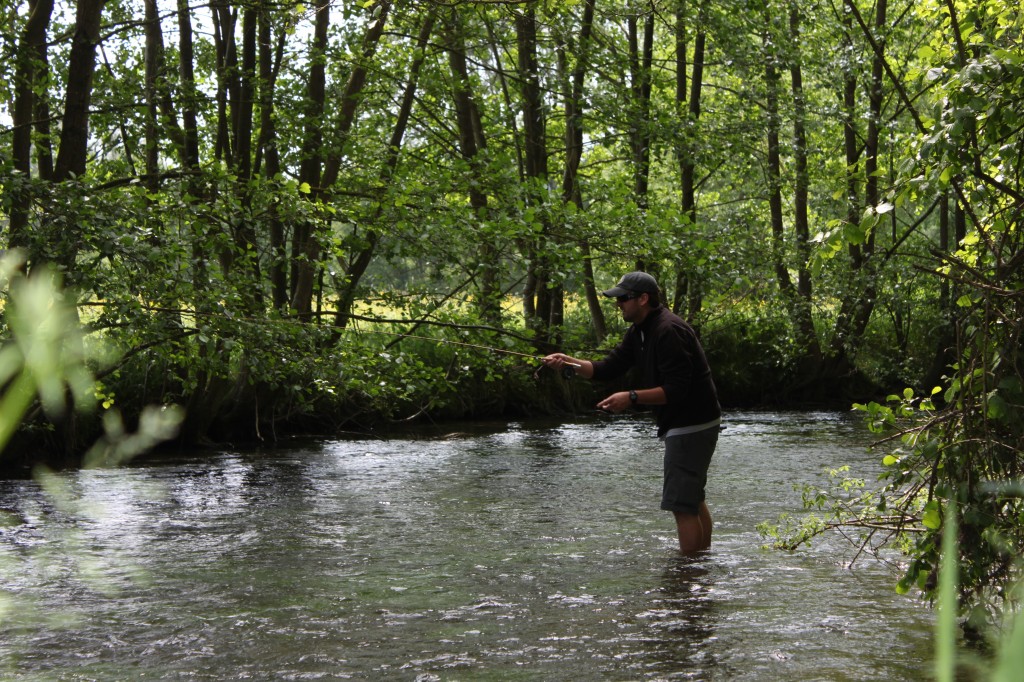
(514, 551)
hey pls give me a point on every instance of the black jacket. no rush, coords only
(665, 352)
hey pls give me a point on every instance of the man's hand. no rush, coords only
(557, 361)
(616, 402)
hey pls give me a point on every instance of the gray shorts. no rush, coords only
(687, 458)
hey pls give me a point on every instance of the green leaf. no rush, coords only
(996, 407)
(854, 234)
(932, 519)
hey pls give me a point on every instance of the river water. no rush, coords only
(513, 551)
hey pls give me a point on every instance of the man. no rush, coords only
(674, 381)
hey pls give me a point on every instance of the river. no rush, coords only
(514, 551)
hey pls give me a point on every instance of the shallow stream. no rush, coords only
(531, 550)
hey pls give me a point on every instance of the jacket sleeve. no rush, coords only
(617, 362)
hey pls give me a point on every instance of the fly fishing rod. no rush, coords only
(568, 371)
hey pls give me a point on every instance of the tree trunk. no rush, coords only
(189, 94)
(74, 138)
(154, 64)
(537, 295)
(856, 307)
(243, 109)
(802, 303)
(29, 71)
(641, 57)
(305, 251)
(268, 158)
(73, 151)
(197, 411)
(871, 176)
(44, 138)
(472, 142)
(227, 80)
(571, 192)
(774, 165)
(689, 108)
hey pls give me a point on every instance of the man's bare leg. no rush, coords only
(694, 529)
(705, 522)
(691, 532)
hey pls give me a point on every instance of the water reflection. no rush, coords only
(681, 617)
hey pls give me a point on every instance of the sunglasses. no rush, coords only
(626, 297)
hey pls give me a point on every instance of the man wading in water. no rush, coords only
(675, 382)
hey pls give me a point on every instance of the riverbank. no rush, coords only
(255, 414)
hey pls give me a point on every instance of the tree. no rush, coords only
(29, 76)
(540, 292)
(472, 144)
(574, 80)
(688, 99)
(958, 445)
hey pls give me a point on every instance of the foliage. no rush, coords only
(963, 455)
(174, 255)
(960, 446)
(1005, 656)
(47, 360)
(752, 353)
(44, 357)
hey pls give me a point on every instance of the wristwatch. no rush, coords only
(632, 396)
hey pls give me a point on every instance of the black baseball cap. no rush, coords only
(633, 283)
